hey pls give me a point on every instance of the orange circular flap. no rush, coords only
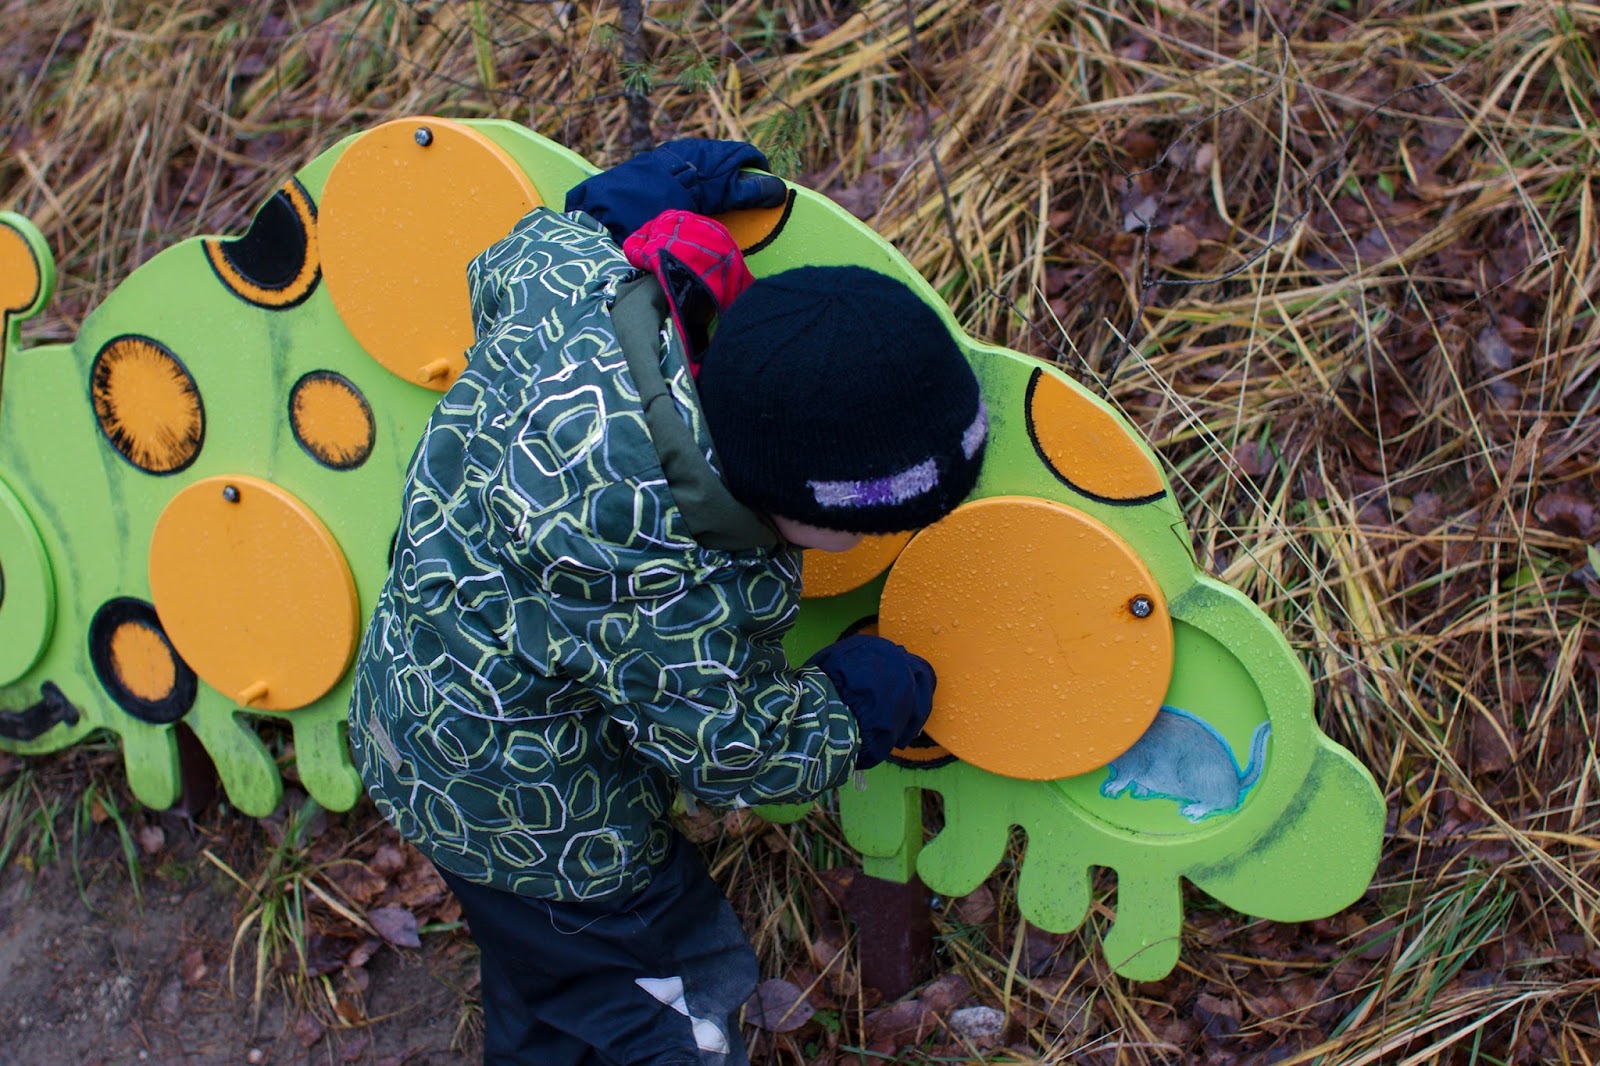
(1050, 638)
(21, 277)
(254, 592)
(835, 573)
(404, 210)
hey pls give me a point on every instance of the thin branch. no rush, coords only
(631, 28)
(914, 54)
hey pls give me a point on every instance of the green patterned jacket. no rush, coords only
(579, 618)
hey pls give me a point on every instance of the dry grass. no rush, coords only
(1337, 259)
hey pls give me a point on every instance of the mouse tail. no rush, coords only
(1258, 755)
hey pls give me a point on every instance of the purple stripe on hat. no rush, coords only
(896, 488)
(899, 487)
(972, 439)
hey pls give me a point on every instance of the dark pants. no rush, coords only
(657, 978)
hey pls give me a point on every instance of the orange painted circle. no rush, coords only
(332, 419)
(147, 404)
(1085, 445)
(835, 573)
(21, 277)
(253, 592)
(398, 223)
(1025, 609)
(142, 662)
(754, 228)
(923, 753)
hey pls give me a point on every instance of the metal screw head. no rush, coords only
(1141, 606)
(230, 493)
(424, 136)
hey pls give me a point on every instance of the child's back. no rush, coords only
(582, 616)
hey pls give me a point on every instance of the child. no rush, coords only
(596, 563)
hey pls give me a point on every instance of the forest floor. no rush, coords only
(125, 941)
(1336, 259)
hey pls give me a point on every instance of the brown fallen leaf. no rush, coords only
(1139, 213)
(1569, 514)
(420, 886)
(364, 952)
(1141, 145)
(357, 979)
(701, 827)
(1068, 1011)
(350, 1013)
(1044, 952)
(1494, 743)
(1251, 459)
(388, 861)
(327, 953)
(778, 1007)
(1175, 244)
(397, 925)
(946, 994)
(360, 883)
(891, 1028)
(1218, 1016)
(742, 823)
(449, 911)
(827, 952)
(834, 886)
(192, 968)
(976, 907)
(307, 1030)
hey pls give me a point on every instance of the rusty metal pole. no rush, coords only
(895, 931)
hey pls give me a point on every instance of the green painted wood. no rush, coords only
(1301, 841)
(149, 753)
(27, 589)
(27, 585)
(244, 765)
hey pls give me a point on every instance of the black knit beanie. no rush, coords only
(836, 397)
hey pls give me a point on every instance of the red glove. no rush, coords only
(699, 265)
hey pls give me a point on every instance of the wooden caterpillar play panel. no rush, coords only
(197, 497)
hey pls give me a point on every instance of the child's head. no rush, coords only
(838, 400)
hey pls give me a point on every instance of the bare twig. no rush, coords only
(634, 71)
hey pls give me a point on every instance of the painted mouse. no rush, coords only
(1182, 757)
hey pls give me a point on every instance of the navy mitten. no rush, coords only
(689, 175)
(887, 688)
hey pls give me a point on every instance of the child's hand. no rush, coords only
(696, 175)
(887, 688)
